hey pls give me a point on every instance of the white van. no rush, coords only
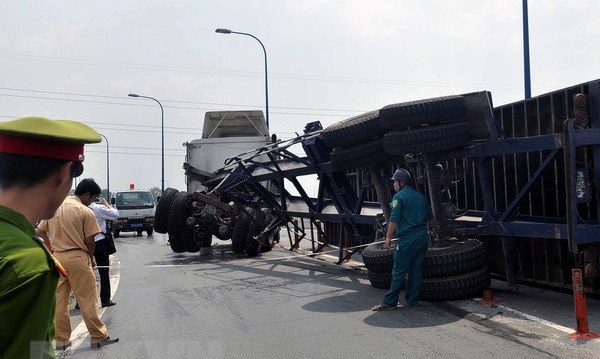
(136, 211)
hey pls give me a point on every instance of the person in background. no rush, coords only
(408, 222)
(71, 233)
(38, 160)
(103, 212)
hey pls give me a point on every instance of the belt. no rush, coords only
(69, 250)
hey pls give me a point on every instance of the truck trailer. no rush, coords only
(513, 188)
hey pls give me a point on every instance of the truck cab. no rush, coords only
(136, 211)
(225, 134)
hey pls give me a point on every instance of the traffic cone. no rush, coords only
(583, 331)
(488, 298)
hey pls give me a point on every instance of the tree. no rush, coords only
(155, 191)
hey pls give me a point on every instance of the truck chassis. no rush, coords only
(512, 187)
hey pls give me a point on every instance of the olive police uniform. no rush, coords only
(27, 284)
(28, 272)
(410, 211)
(67, 230)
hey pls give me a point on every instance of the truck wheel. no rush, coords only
(266, 246)
(116, 233)
(189, 239)
(177, 222)
(363, 155)
(139, 232)
(205, 240)
(240, 232)
(161, 216)
(149, 232)
(357, 129)
(380, 280)
(401, 116)
(256, 226)
(439, 289)
(426, 139)
(457, 258)
(377, 259)
(456, 287)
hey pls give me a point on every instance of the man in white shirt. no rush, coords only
(103, 212)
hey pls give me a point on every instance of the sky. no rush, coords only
(328, 60)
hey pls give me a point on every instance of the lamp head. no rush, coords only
(223, 31)
(133, 95)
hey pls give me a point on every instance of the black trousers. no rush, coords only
(101, 256)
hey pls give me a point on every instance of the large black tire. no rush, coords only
(161, 216)
(177, 222)
(240, 232)
(364, 155)
(401, 116)
(378, 259)
(438, 289)
(380, 280)
(352, 131)
(256, 226)
(426, 139)
(116, 233)
(267, 245)
(191, 243)
(457, 258)
(456, 287)
(149, 232)
(205, 240)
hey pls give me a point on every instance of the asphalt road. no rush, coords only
(283, 305)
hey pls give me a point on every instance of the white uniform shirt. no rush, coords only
(103, 214)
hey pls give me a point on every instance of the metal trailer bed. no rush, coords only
(526, 186)
(533, 187)
(523, 184)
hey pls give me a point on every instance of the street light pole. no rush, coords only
(526, 69)
(162, 136)
(227, 31)
(107, 169)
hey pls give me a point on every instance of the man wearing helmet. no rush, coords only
(408, 222)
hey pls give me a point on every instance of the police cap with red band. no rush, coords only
(41, 137)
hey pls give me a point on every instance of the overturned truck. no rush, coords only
(513, 189)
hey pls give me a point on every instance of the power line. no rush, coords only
(174, 107)
(190, 130)
(174, 101)
(274, 75)
(100, 145)
(136, 154)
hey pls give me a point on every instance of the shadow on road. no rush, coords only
(349, 291)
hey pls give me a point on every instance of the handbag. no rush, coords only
(110, 243)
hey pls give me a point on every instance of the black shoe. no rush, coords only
(107, 341)
(110, 303)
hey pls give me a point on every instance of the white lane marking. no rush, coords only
(80, 332)
(534, 318)
(168, 265)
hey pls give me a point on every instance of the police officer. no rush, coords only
(38, 160)
(71, 232)
(408, 222)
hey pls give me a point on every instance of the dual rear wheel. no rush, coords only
(453, 272)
